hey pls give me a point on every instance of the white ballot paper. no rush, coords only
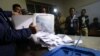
(23, 21)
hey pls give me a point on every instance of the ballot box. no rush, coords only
(72, 51)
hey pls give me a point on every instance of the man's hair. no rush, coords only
(15, 5)
(96, 18)
(83, 10)
(71, 8)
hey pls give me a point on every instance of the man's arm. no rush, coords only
(8, 35)
(78, 29)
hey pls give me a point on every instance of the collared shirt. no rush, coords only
(72, 21)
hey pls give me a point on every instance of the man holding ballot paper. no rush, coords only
(8, 35)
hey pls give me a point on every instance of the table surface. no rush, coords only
(89, 41)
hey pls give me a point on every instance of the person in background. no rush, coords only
(71, 23)
(8, 35)
(24, 12)
(83, 23)
(44, 10)
(57, 24)
(95, 25)
(17, 10)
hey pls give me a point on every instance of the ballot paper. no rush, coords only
(23, 21)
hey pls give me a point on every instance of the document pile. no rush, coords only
(51, 41)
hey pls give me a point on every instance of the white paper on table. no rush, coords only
(48, 38)
(41, 34)
(67, 39)
(79, 42)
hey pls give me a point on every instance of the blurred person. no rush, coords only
(71, 22)
(57, 24)
(44, 10)
(8, 35)
(24, 12)
(83, 23)
(17, 10)
(95, 25)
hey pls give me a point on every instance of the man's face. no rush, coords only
(44, 10)
(83, 12)
(72, 11)
(95, 21)
(18, 9)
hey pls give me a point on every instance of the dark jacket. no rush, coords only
(8, 35)
(68, 25)
(95, 26)
(86, 22)
(68, 22)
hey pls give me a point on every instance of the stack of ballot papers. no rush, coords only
(52, 41)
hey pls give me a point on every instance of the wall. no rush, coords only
(76, 4)
(7, 4)
(93, 10)
(58, 3)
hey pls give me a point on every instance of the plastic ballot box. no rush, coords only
(72, 51)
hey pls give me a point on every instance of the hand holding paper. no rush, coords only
(33, 29)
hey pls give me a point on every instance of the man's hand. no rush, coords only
(32, 28)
